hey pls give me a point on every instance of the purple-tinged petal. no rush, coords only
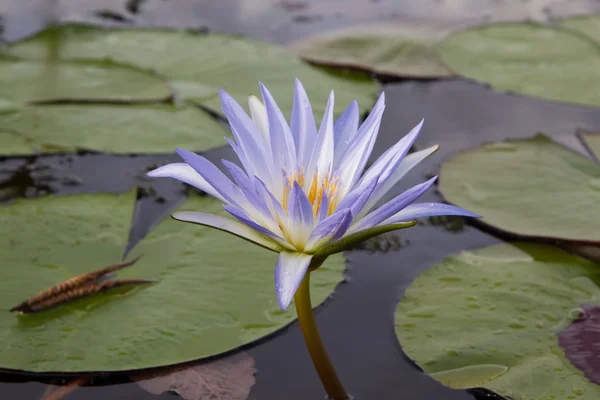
(420, 210)
(185, 173)
(358, 197)
(282, 143)
(321, 159)
(345, 129)
(401, 170)
(390, 160)
(359, 150)
(299, 208)
(227, 225)
(303, 126)
(248, 137)
(242, 180)
(221, 183)
(323, 207)
(264, 192)
(245, 219)
(331, 228)
(392, 207)
(289, 272)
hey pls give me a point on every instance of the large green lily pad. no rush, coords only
(531, 187)
(589, 26)
(405, 51)
(532, 59)
(26, 81)
(490, 318)
(215, 292)
(199, 64)
(109, 128)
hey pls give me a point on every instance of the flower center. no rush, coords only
(316, 190)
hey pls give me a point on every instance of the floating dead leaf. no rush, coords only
(581, 342)
(230, 378)
(78, 287)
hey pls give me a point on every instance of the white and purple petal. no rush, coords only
(302, 124)
(289, 272)
(330, 229)
(421, 210)
(185, 173)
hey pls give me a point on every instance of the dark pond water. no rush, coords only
(357, 323)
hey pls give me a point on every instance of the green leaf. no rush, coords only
(532, 59)
(404, 51)
(199, 64)
(27, 81)
(215, 291)
(531, 187)
(109, 128)
(490, 318)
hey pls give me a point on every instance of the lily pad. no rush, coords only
(215, 292)
(403, 51)
(532, 187)
(199, 64)
(490, 318)
(588, 26)
(27, 81)
(528, 58)
(108, 128)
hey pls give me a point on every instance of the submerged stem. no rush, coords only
(315, 346)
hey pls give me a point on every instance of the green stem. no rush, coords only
(315, 346)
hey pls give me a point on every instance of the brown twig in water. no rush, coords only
(77, 287)
(62, 391)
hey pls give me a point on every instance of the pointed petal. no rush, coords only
(358, 197)
(245, 219)
(300, 216)
(323, 207)
(321, 159)
(420, 210)
(185, 173)
(244, 183)
(282, 142)
(359, 150)
(289, 272)
(350, 240)
(258, 112)
(345, 129)
(229, 226)
(248, 137)
(303, 126)
(401, 170)
(393, 206)
(227, 189)
(331, 228)
(390, 160)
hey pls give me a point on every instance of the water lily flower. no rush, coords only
(304, 193)
(301, 191)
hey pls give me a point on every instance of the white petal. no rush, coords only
(185, 173)
(258, 112)
(289, 272)
(227, 225)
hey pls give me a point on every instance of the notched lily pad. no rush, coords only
(401, 51)
(581, 342)
(215, 292)
(108, 128)
(228, 378)
(491, 317)
(528, 58)
(199, 64)
(532, 187)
